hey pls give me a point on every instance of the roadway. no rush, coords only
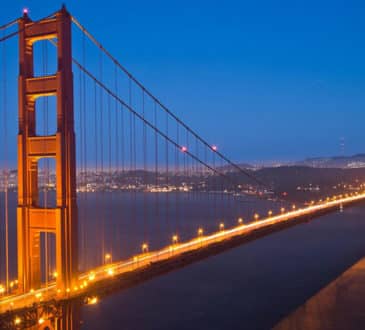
(101, 275)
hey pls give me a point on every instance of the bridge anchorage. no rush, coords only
(32, 219)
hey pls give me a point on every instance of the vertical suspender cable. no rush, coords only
(134, 155)
(6, 168)
(123, 180)
(80, 154)
(167, 177)
(84, 150)
(97, 211)
(177, 184)
(131, 174)
(117, 169)
(144, 148)
(102, 160)
(109, 234)
(156, 183)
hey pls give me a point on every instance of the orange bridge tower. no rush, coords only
(32, 219)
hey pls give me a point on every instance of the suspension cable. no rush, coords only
(148, 123)
(140, 85)
(6, 168)
(10, 24)
(13, 34)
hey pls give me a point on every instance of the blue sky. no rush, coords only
(264, 80)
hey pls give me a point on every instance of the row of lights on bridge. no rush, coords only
(200, 231)
(145, 249)
(175, 237)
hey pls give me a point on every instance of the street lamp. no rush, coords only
(108, 257)
(221, 226)
(175, 239)
(144, 248)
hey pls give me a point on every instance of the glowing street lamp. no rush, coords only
(240, 221)
(2, 289)
(214, 148)
(92, 276)
(256, 216)
(184, 149)
(144, 248)
(293, 207)
(269, 213)
(175, 239)
(282, 210)
(108, 258)
(17, 321)
(200, 232)
(221, 226)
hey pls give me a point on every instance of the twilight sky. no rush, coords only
(264, 80)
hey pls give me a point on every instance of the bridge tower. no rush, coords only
(32, 219)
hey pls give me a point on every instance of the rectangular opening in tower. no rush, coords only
(46, 115)
(47, 183)
(45, 57)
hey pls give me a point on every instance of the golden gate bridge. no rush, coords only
(110, 183)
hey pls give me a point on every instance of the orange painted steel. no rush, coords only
(32, 219)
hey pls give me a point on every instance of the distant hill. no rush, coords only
(355, 161)
(229, 168)
(343, 162)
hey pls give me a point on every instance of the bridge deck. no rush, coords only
(144, 266)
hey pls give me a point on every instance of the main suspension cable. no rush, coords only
(148, 123)
(13, 34)
(155, 99)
